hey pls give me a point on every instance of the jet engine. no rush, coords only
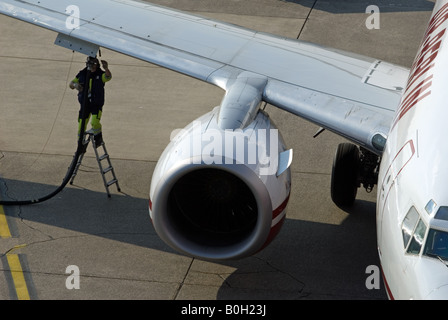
(221, 194)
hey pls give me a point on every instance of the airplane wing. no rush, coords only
(352, 95)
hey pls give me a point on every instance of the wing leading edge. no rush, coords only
(349, 94)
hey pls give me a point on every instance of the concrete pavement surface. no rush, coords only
(109, 244)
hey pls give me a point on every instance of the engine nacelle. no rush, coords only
(221, 194)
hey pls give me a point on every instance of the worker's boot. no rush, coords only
(98, 139)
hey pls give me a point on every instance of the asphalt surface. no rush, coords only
(322, 251)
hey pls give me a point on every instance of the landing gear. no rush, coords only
(344, 177)
(352, 166)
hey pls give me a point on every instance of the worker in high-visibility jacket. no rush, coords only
(96, 95)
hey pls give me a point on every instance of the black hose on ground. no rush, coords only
(72, 167)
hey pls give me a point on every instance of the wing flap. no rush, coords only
(387, 76)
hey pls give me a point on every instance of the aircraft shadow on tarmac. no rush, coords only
(359, 6)
(307, 260)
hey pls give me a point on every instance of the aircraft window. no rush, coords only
(417, 239)
(437, 244)
(408, 226)
(430, 206)
(442, 213)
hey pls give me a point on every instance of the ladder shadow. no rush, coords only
(120, 217)
(308, 260)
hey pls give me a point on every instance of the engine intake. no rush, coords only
(212, 206)
(221, 209)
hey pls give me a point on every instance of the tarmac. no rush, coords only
(83, 245)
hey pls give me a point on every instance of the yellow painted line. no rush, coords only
(4, 229)
(17, 277)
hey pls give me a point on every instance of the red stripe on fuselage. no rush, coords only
(389, 292)
(424, 62)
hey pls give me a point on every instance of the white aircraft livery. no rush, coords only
(221, 187)
(412, 203)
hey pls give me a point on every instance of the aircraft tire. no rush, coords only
(344, 176)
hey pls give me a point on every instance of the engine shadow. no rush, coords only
(307, 260)
(310, 260)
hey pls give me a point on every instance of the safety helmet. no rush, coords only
(91, 61)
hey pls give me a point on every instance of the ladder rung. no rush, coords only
(107, 169)
(99, 158)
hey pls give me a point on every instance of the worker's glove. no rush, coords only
(105, 64)
(76, 86)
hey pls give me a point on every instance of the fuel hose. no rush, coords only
(80, 149)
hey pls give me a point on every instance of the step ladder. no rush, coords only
(89, 137)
